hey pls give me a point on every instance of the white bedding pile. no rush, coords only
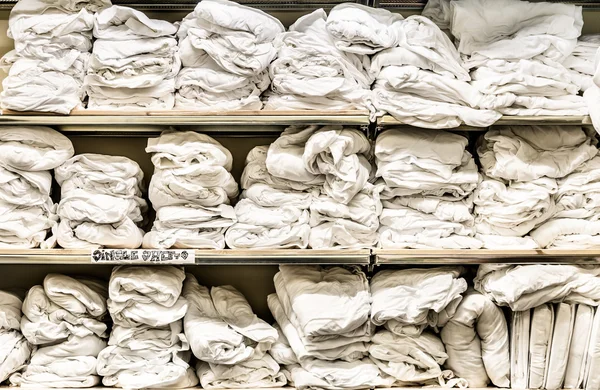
(15, 350)
(27, 155)
(330, 346)
(421, 80)
(101, 202)
(526, 183)
(147, 347)
(63, 318)
(191, 190)
(134, 62)
(229, 340)
(581, 62)
(314, 71)
(225, 49)
(429, 178)
(52, 43)
(520, 53)
(477, 342)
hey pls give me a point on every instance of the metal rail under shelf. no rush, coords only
(419, 4)
(484, 256)
(388, 120)
(203, 257)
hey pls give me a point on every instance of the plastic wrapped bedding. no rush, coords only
(540, 342)
(527, 153)
(407, 301)
(477, 342)
(592, 376)
(519, 349)
(560, 345)
(412, 360)
(527, 286)
(256, 373)
(577, 358)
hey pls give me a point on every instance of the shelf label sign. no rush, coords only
(143, 256)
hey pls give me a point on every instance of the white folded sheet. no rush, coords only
(10, 311)
(27, 227)
(568, 233)
(434, 293)
(519, 349)
(15, 351)
(168, 337)
(477, 342)
(266, 195)
(592, 376)
(540, 343)
(560, 346)
(25, 188)
(256, 373)
(90, 235)
(527, 286)
(576, 364)
(184, 238)
(122, 23)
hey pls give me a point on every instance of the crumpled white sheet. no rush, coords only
(15, 350)
(527, 286)
(515, 208)
(540, 342)
(526, 153)
(180, 149)
(568, 233)
(577, 358)
(412, 360)
(519, 349)
(27, 226)
(256, 373)
(123, 234)
(311, 73)
(407, 301)
(25, 188)
(581, 61)
(33, 148)
(577, 195)
(359, 29)
(122, 23)
(477, 342)
(559, 350)
(266, 195)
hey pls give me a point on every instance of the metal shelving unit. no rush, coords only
(203, 257)
(388, 120)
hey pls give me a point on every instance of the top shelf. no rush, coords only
(419, 4)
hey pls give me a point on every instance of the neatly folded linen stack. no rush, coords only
(27, 154)
(477, 342)
(16, 350)
(406, 302)
(134, 61)
(229, 340)
(581, 62)
(421, 81)
(429, 178)
(313, 72)
(225, 49)
(52, 40)
(330, 345)
(101, 202)
(147, 346)
(521, 53)
(64, 319)
(191, 189)
(521, 166)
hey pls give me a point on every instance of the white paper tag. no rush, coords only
(143, 256)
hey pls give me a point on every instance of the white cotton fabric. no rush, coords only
(519, 349)
(311, 73)
(408, 301)
(540, 342)
(190, 190)
(256, 373)
(568, 233)
(581, 61)
(591, 367)
(527, 286)
(27, 226)
(526, 153)
(477, 342)
(147, 346)
(577, 192)
(15, 350)
(101, 203)
(577, 359)
(561, 342)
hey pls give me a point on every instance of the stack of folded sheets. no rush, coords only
(581, 62)
(52, 42)
(313, 72)
(147, 347)
(134, 61)
(229, 340)
(429, 178)
(27, 213)
(101, 202)
(522, 169)
(421, 80)
(520, 54)
(329, 349)
(64, 320)
(225, 49)
(406, 302)
(191, 190)
(16, 350)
